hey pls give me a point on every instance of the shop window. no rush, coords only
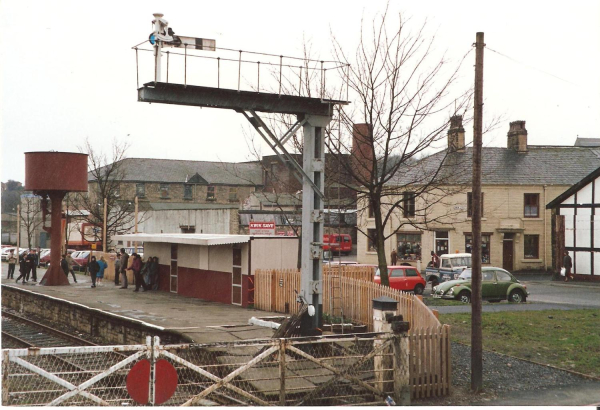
(442, 242)
(371, 240)
(470, 205)
(485, 246)
(210, 193)
(408, 204)
(532, 246)
(532, 206)
(409, 246)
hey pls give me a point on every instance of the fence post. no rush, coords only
(5, 371)
(382, 362)
(152, 379)
(282, 372)
(401, 369)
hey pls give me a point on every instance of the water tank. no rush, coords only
(56, 171)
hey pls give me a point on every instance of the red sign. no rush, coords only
(261, 228)
(139, 377)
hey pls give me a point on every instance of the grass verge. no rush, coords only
(569, 339)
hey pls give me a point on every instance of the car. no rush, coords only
(6, 251)
(406, 278)
(496, 284)
(45, 258)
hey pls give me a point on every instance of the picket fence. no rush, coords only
(349, 291)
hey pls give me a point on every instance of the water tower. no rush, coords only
(51, 175)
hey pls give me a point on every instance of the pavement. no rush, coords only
(201, 320)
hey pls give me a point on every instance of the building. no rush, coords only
(218, 268)
(517, 182)
(576, 227)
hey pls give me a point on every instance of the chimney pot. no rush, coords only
(456, 134)
(517, 137)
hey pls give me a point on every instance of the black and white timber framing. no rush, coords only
(580, 205)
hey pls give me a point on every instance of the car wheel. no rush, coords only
(464, 296)
(419, 289)
(434, 282)
(516, 296)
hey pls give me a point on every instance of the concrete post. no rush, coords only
(383, 362)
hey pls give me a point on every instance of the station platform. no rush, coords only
(200, 320)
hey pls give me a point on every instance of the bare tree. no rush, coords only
(407, 96)
(106, 175)
(31, 216)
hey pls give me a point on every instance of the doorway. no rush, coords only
(441, 243)
(508, 250)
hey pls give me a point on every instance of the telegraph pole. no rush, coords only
(476, 331)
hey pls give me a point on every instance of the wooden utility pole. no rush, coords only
(476, 331)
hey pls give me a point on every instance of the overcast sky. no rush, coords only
(69, 73)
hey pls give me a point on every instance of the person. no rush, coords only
(117, 268)
(136, 267)
(64, 265)
(394, 257)
(71, 262)
(22, 268)
(94, 268)
(123, 264)
(154, 273)
(32, 261)
(568, 264)
(103, 265)
(12, 261)
(435, 260)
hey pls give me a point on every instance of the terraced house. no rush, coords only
(517, 183)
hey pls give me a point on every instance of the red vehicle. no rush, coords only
(406, 278)
(341, 243)
(45, 259)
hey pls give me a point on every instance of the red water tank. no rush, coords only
(56, 171)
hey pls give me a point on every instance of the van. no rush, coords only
(338, 243)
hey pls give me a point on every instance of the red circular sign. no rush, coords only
(139, 377)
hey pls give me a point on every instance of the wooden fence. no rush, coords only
(349, 292)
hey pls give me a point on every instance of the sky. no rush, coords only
(68, 70)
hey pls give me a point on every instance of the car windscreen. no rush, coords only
(466, 274)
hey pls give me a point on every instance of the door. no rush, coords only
(503, 282)
(174, 270)
(488, 284)
(397, 279)
(508, 252)
(412, 278)
(236, 277)
(441, 243)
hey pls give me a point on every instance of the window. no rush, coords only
(233, 194)
(395, 273)
(188, 229)
(371, 240)
(409, 246)
(187, 191)
(164, 190)
(487, 275)
(408, 204)
(140, 190)
(502, 276)
(532, 246)
(470, 204)
(370, 209)
(532, 206)
(410, 272)
(210, 193)
(485, 246)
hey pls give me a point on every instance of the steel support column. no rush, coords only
(312, 217)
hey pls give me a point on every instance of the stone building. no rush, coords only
(517, 183)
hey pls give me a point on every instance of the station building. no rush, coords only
(212, 267)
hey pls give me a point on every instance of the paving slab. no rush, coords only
(199, 319)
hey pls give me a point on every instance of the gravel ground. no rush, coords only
(502, 375)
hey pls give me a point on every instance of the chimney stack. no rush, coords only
(517, 137)
(362, 150)
(456, 134)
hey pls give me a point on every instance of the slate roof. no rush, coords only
(179, 171)
(541, 165)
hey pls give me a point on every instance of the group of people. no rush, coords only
(145, 274)
(28, 263)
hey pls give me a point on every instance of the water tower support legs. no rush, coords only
(54, 275)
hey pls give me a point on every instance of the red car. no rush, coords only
(406, 278)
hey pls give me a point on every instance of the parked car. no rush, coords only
(45, 259)
(5, 252)
(496, 284)
(406, 278)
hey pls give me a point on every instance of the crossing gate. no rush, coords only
(356, 369)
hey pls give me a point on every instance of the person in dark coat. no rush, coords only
(64, 265)
(32, 262)
(136, 267)
(568, 264)
(394, 257)
(123, 264)
(94, 268)
(22, 268)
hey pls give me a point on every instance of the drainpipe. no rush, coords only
(545, 233)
